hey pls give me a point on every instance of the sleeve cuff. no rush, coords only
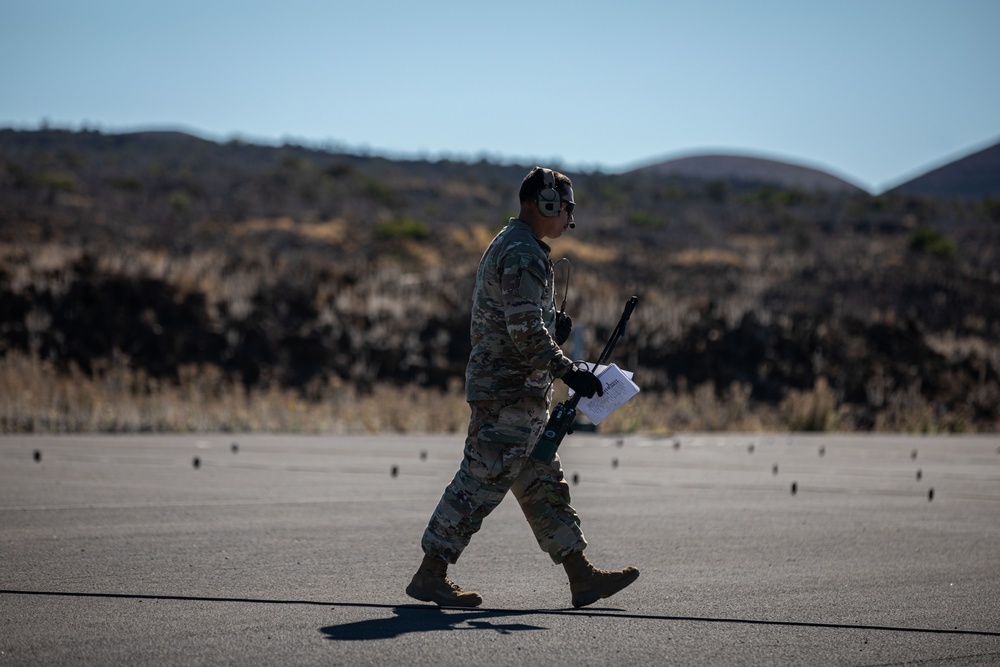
(564, 366)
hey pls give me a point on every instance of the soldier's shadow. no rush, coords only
(407, 620)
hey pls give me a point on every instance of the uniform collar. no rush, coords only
(517, 222)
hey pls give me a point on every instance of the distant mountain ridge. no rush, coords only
(750, 170)
(974, 176)
(971, 177)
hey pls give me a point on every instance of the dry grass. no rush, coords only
(697, 410)
(707, 257)
(472, 240)
(332, 232)
(591, 253)
(34, 398)
(815, 410)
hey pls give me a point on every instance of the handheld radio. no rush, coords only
(560, 423)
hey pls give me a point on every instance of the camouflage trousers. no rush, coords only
(498, 459)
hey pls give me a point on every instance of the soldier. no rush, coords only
(516, 333)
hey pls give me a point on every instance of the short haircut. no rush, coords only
(534, 183)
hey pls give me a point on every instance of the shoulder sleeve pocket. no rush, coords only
(531, 278)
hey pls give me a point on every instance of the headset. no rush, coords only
(549, 199)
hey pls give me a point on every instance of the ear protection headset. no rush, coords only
(549, 199)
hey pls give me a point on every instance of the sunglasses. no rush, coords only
(570, 205)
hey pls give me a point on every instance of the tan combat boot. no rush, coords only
(588, 584)
(431, 584)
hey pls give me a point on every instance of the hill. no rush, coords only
(974, 176)
(744, 170)
(248, 281)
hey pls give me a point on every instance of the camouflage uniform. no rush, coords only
(509, 386)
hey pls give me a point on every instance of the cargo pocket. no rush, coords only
(503, 442)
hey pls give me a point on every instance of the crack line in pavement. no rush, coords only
(481, 610)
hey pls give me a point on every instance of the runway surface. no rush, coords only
(264, 550)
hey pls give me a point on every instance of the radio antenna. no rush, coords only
(562, 306)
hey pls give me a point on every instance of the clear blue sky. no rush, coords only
(872, 90)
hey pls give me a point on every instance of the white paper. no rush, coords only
(600, 369)
(618, 389)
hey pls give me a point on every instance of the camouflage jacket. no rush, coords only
(513, 319)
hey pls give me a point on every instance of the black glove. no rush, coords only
(564, 324)
(584, 383)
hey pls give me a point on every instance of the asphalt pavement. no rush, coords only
(295, 550)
